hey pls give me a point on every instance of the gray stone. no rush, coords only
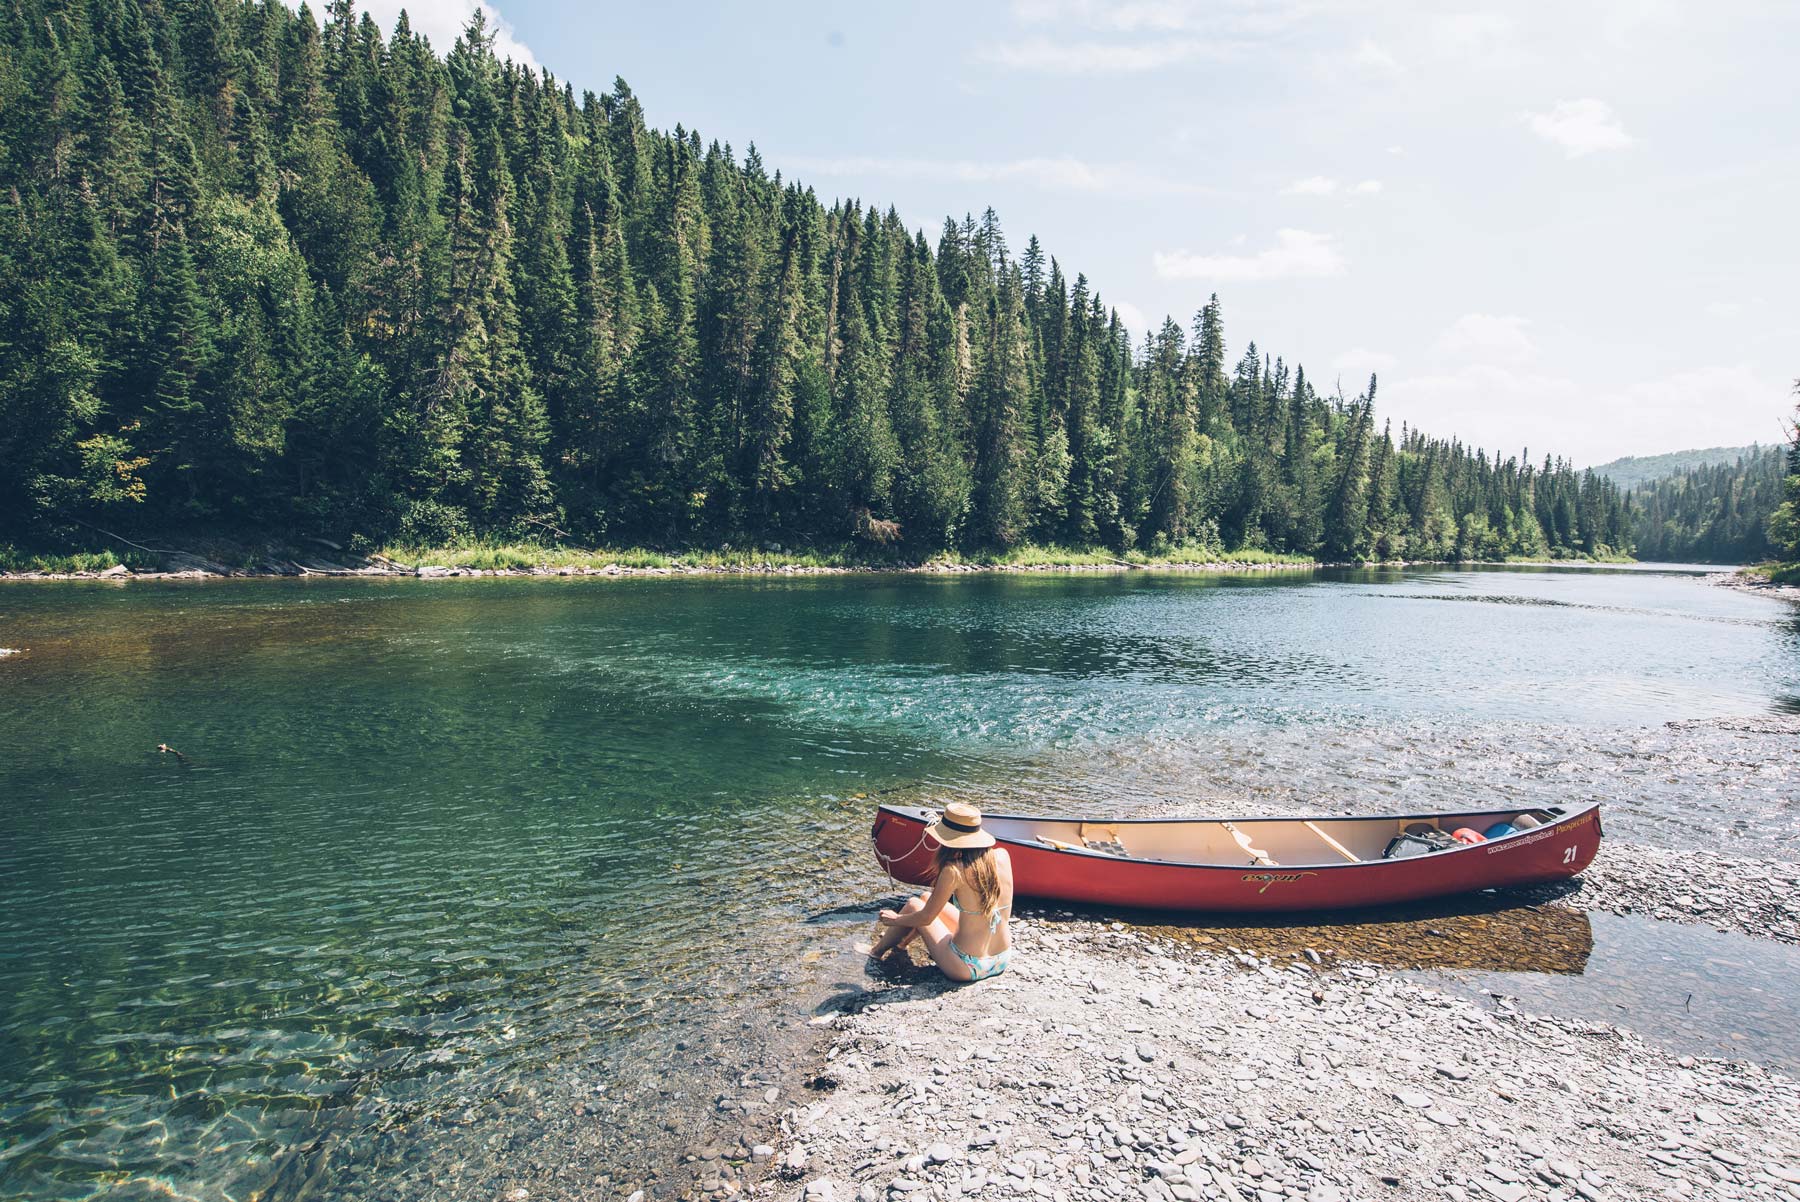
(1146, 1052)
(1418, 1101)
(940, 1153)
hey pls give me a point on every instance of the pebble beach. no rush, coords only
(1110, 1063)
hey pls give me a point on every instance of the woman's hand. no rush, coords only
(890, 916)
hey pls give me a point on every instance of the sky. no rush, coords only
(1561, 227)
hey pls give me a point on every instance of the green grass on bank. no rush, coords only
(1774, 573)
(500, 555)
(18, 559)
(1032, 555)
(515, 556)
(1608, 557)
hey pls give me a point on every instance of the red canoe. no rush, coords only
(1254, 864)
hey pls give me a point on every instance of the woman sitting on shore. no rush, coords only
(969, 941)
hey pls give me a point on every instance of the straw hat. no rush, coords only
(960, 826)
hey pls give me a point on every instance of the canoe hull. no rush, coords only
(1553, 852)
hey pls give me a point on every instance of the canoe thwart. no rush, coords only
(1333, 843)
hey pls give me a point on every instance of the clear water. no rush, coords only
(448, 863)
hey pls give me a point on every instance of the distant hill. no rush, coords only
(1634, 470)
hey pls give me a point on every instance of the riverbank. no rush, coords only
(1767, 579)
(238, 561)
(1112, 1063)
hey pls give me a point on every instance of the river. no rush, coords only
(453, 873)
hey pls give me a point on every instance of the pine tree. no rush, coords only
(1169, 409)
(998, 503)
(1346, 515)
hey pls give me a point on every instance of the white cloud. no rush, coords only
(1724, 309)
(1581, 127)
(1312, 185)
(1099, 58)
(1622, 20)
(1125, 17)
(1056, 175)
(1254, 19)
(1324, 185)
(1485, 38)
(443, 20)
(1360, 362)
(1297, 254)
(1371, 57)
(1505, 409)
(1486, 338)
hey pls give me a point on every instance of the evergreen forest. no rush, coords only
(1631, 471)
(264, 272)
(1713, 514)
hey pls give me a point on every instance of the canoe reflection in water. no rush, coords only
(1485, 932)
(1480, 933)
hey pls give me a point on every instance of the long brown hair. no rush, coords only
(976, 868)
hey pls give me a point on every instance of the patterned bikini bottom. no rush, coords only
(983, 966)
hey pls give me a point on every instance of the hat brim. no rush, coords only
(959, 839)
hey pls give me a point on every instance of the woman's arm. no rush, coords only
(934, 905)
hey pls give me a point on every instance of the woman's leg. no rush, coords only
(942, 941)
(897, 935)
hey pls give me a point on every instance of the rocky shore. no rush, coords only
(186, 566)
(1110, 1063)
(195, 568)
(1747, 583)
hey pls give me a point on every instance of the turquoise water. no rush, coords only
(437, 847)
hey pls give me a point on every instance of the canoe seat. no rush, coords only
(1257, 854)
(1102, 837)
